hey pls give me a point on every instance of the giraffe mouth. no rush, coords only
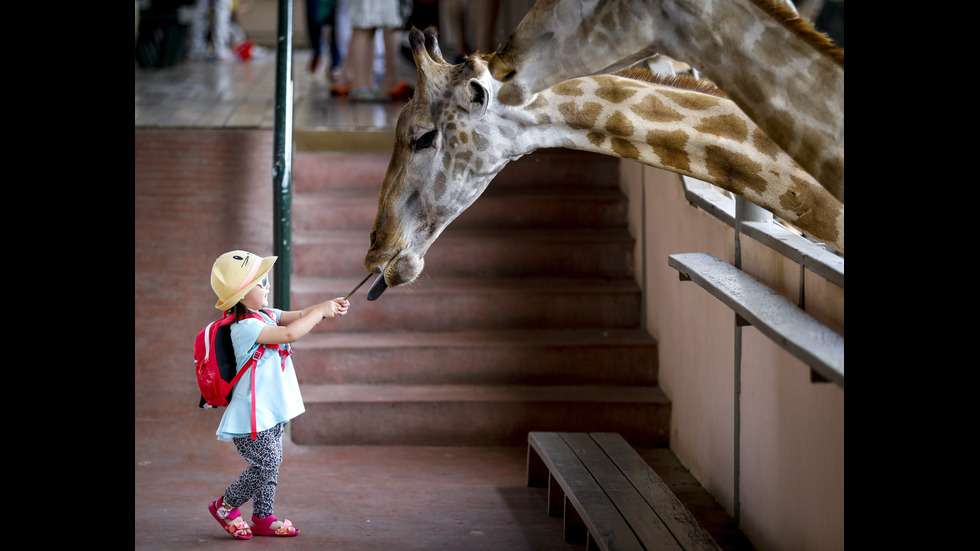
(400, 270)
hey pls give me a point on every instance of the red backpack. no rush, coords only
(214, 359)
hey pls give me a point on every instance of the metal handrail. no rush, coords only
(282, 157)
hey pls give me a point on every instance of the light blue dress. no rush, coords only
(370, 14)
(277, 396)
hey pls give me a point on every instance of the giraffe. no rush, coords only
(453, 137)
(785, 75)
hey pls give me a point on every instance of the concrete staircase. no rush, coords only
(526, 317)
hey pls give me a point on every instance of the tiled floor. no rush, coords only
(202, 94)
(343, 498)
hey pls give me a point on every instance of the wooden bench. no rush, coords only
(609, 497)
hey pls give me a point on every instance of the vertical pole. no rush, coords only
(744, 211)
(282, 157)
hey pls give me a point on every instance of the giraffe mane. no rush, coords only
(803, 27)
(683, 82)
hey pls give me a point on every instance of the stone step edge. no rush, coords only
(617, 234)
(387, 393)
(583, 191)
(458, 285)
(540, 338)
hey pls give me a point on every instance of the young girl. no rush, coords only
(240, 279)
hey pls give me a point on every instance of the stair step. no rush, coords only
(575, 357)
(526, 316)
(459, 252)
(462, 415)
(503, 207)
(449, 304)
(338, 171)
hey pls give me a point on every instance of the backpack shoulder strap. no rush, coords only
(256, 356)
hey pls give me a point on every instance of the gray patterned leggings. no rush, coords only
(258, 481)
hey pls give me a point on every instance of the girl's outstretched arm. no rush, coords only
(296, 324)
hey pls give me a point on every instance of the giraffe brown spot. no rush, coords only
(580, 119)
(692, 101)
(439, 184)
(765, 145)
(568, 88)
(464, 137)
(624, 148)
(539, 103)
(481, 143)
(619, 125)
(615, 90)
(835, 168)
(459, 165)
(734, 171)
(608, 21)
(812, 217)
(670, 147)
(781, 126)
(773, 57)
(732, 127)
(655, 110)
(811, 136)
(596, 138)
(757, 95)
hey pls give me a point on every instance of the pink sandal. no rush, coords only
(239, 530)
(261, 527)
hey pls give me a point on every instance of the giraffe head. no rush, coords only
(439, 166)
(547, 46)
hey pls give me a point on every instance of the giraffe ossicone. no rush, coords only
(453, 137)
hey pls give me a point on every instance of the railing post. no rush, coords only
(282, 157)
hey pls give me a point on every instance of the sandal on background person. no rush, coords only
(401, 92)
(341, 90)
(239, 530)
(262, 527)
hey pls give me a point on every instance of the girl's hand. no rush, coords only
(335, 307)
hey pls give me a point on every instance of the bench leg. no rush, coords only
(575, 531)
(556, 498)
(537, 471)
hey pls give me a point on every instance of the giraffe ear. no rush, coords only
(475, 98)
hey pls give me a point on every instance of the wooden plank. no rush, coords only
(603, 520)
(678, 520)
(772, 314)
(637, 512)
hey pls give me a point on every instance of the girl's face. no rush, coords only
(258, 297)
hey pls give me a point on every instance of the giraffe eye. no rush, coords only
(424, 141)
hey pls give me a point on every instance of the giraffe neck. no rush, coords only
(691, 133)
(772, 73)
(784, 79)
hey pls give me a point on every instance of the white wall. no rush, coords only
(791, 492)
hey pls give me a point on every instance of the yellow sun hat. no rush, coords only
(235, 273)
